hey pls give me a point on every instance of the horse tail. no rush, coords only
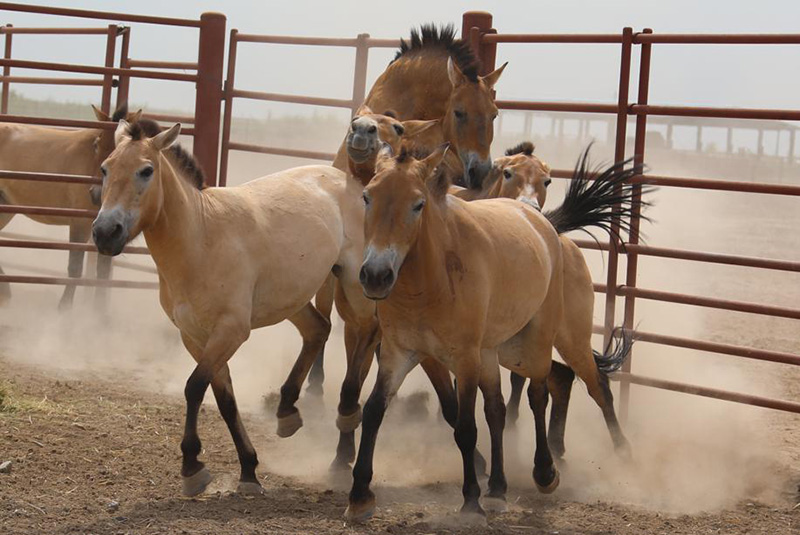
(601, 201)
(616, 353)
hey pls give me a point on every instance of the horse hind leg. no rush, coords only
(559, 384)
(5, 219)
(584, 362)
(78, 233)
(101, 293)
(324, 304)
(314, 329)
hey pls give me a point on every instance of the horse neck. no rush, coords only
(415, 87)
(362, 172)
(424, 272)
(178, 229)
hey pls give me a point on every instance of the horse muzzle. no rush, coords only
(110, 234)
(360, 147)
(378, 274)
(475, 170)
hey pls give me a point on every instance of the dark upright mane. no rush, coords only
(147, 128)
(431, 37)
(526, 148)
(120, 113)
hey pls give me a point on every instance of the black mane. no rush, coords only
(526, 148)
(120, 113)
(147, 128)
(443, 38)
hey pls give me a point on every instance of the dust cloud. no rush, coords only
(690, 454)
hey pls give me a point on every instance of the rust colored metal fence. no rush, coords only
(207, 79)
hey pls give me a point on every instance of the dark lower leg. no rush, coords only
(621, 443)
(517, 385)
(374, 410)
(466, 435)
(226, 402)
(544, 472)
(317, 374)
(74, 267)
(559, 384)
(104, 265)
(495, 412)
(190, 445)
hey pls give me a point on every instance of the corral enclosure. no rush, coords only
(693, 454)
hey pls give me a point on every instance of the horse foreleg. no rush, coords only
(314, 329)
(517, 386)
(466, 433)
(220, 347)
(393, 367)
(494, 409)
(360, 341)
(448, 401)
(104, 267)
(248, 460)
(78, 233)
(323, 302)
(545, 474)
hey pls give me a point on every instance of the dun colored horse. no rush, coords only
(480, 283)
(435, 76)
(229, 260)
(52, 150)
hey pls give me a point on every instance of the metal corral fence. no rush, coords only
(477, 29)
(207, 80)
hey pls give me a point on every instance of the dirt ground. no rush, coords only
(97, 456)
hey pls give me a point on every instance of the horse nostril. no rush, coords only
(117, 231)
(362, 275)
(472, 172)
(387, 278)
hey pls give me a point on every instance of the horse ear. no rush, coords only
(436, 179)
(165, 139)
(413, 127)
(457, 77)
(121, 132)
(363, 110)
(492, 78)
(384, 157)
(100, 114)
(135, 116)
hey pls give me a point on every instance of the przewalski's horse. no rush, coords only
(518, 175)
(229, 260)
(521, 175)
(435, 76)
(471, 285)
(29, 148)
(368, 132)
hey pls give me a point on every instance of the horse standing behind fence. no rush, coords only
(55, 150)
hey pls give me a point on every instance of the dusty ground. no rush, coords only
(97, 456)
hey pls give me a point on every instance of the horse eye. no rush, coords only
(399, 129)
(103, 171)
(366, 198)
(460, 114)
(547, 182)
(507, 173)
(147, 172)
(372, 129)
(419, 206)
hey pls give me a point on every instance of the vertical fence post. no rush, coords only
(474, 24)
(123, 88)
(6, 73)
(228, 117)
(208, 100)
(108, 79)
(633, 259)
(619, 155)
(360, 71)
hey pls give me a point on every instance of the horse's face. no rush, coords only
(395, 202)
(104, 143)
(368, 131)
(132, 196)
(469, 122)
(523, 177)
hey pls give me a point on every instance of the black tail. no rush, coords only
(596, 203)
(617, 351)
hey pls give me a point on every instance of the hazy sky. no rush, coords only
(753, 76)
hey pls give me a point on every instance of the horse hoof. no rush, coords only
(339, 466)
(552, 486)
(348, 424)
(624, 452)
(288, 425)
(495, 504)
(249, 488)
(197, 483)
(360, 512)
(473, 510)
